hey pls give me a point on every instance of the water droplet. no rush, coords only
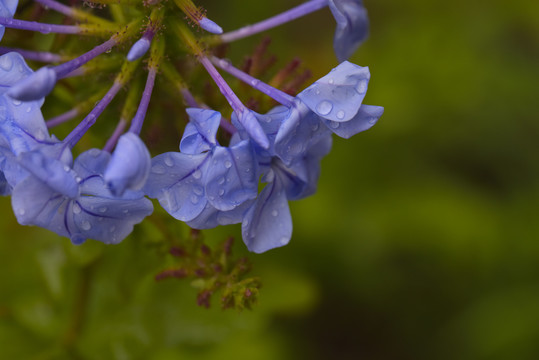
(169, 162)
(284, 240)
(28, 109)
(197, 174)
(194, 199)
(94, 152)
(221, 180)
(221, 192)
(76, 209)
(315, 127)
(6, 63)
(334, 124)
(198, 190)
(158, 169)
(126, 211)
(40, 136)
(317, 92)
(361, 87)
(340, 114)
(21, 212)
(85, 225)
(112, 229)
(331, 81)
(16, 102)
(274, 213)
(372, 120)
(103, 209)
(228, 164)
(78, 179)
(324, 107)
(66, 168)
(255, 82)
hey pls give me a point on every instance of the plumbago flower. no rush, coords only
(243, 170)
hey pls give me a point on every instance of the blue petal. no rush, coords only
(268, 224)
(365, 118)
(7, 10)
(232, 176)
(338, 95)
(177, 181)
(13, 69)
(297, 133)
(352, 26)
(51, 172)
(249, 123)
(200, 133)
(12, 172)
(129, 165)
(35, 86)
(307, 170)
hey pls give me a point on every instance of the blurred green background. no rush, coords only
(421, 243)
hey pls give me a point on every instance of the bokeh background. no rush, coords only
(421, 243)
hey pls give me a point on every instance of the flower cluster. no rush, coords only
(215, 177)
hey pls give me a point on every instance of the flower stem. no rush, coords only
(278, 95)
(292, 14)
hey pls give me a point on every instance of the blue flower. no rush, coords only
(333, 103)
(204, 172)
(75, 202)
(7, 10)
(352, 26)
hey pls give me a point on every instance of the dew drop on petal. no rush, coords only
(361, 87)
(21, 212)
(28, 109)
(274, 213)
(6, 63)
(334, 124)
(197, 174)
(16, 102)
(340, 114)
(324, 107)
(66, 168)
(331, 81)
(372, 120)
(255, 82)
(228, 164)
(76, 209)
(317, 92)
(221, 192)
(112, 229)
(103, 209)
(85, 225)
(284, 240)
(78, 179)
(95, 152)
(198, 190)
(158, 169)
(221, 180)
(194, 199)
(126, 211)
(168, 161)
